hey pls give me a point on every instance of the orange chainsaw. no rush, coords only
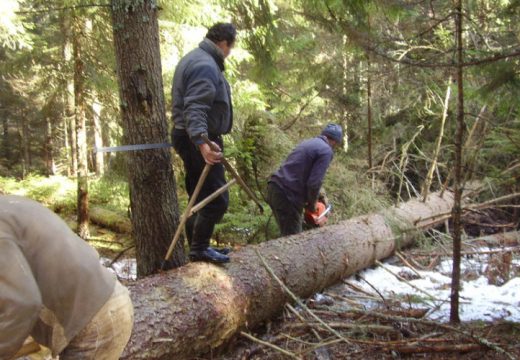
(319, 217)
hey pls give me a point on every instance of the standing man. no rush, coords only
(297, 182)
(202, 106)
(53, 288)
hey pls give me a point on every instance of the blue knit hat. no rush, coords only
(334, 132)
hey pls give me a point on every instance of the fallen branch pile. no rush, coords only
(196, 308)
(334, 326)
(368, 334)
(193, 309)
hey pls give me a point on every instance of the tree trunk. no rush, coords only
(433, 166)
(6, 151)
(66, 143)
(26, 142)
(459, 136)
(81, 128)
(111, 220)
(188, 311)
(49, 152)
(153, 198)
(69, 124)
(369, 114)
(72, 129)
(345, 86)
(106, 141)
(369, 110)
(99, 163)
(23, 133)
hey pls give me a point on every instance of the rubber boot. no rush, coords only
(189, 226)
(200, 249)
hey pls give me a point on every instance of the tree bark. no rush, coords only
(110, 220)
(433, 166)
(99, 163)
(23, 134)
(153, 198)
(369, 107)
(459, 136)
(66, 143)
(49, 148)
(6, 151)
(188, 311)
(26, 141)
(69, 123)
(81, 128)
(369, 114)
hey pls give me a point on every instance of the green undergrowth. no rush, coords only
(351, 191)
(109, 243)
(59, 192)
(55, 192)
(348, 188)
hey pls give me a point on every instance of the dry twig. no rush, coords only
(406, 281)
(407, 263)
(268, 344)
(302, 319)
(344, 325)
(480, 340)
(296, 299)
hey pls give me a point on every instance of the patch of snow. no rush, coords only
(479, 300)
(124, 268)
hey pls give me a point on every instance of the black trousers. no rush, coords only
(288, 217)
(199, 227)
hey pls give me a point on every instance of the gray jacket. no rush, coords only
(302, 173)
(52, 283)
(201, 95)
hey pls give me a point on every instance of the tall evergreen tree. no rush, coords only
(153, 199)
(458, 139)
(79, 28)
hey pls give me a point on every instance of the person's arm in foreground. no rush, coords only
(20, 298)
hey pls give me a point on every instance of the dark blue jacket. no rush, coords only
(302, 173)
(201, 95)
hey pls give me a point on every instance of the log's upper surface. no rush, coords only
(192, 309)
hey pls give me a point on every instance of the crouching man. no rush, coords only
(296, 184)
(53, 288)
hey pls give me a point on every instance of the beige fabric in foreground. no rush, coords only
(51, 284)
(106, 335)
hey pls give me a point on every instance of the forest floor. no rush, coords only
(395, 310)
(400, 309)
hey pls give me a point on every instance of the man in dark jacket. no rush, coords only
(202, 106)
(53, 288)
(297, 182)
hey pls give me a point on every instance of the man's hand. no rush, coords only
(211, 157)
(322, 197)
(311, 207)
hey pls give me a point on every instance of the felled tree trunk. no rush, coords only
(188, 311)
(511, 238)
(111, 220)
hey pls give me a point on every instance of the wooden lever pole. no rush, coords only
(186, 214)
(211, 197)
(191, 209)
(233, 172)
